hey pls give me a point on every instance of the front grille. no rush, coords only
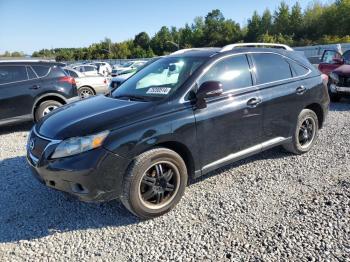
(344, 81)
(37, 145)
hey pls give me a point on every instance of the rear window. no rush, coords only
(9, 74)
(41, 71)
(271, 68)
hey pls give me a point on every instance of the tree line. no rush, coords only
(317, 24)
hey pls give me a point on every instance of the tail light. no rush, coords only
(325, 79)
(67, 79)
(105, 81)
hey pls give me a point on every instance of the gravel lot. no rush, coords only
(274, 206)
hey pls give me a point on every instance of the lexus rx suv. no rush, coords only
(177, 119)
(29, 90)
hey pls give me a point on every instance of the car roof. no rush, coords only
(30, 62)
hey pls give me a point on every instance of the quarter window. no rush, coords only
(31, 73)
(232, 72)
(41, 71)
(9, 74)
(297, 69)
(270, 68)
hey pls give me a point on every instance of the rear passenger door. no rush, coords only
(16, 88)
(282, 91)
(230, 123)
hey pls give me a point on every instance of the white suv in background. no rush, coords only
(104, 67)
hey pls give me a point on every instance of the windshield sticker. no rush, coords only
(159, 90)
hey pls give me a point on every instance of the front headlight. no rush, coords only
(334, 77)
(77, 145)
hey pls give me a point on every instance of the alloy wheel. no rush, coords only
(307, 132)
(49, 109)
(159, 185)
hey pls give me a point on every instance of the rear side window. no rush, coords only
(270, 68)
(41, 71)
(31, 73)
(297, 69)
(232, 72)
(9, 74)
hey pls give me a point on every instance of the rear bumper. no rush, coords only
(94, 176)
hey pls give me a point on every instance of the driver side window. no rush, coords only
(346, 57)
(232, 72)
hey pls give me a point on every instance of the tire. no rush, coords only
(85, 92)
(143, 185)
(300, 144)
(45, 108)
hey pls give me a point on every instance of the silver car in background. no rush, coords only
(88, 85)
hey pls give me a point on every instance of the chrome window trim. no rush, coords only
(183, 100)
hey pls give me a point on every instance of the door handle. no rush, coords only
(254, 102)
(35, 87)
(301, 90)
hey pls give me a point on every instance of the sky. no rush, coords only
(31, 25)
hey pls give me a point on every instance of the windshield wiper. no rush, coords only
(132, 98)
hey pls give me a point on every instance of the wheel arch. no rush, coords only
(50, 96)
(317, 108)
(183, 151)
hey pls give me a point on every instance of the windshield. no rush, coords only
(128, 64)
(159, 79)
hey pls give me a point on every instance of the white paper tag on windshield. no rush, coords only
(159, 90)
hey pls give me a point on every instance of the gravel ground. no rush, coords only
(274, 206)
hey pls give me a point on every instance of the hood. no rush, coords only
(343, 70)
(91, 116)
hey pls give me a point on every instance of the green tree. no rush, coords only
(282, 20)
(143, 40)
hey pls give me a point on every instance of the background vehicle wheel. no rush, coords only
(154, 183)
(85, 92)
(45, 108)
(305, 134)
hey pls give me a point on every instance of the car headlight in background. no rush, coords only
(77, 145)
(334, 77)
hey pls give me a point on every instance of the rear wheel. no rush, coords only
(155, 183)
(305, 133)
(85, 92)
(45, 108)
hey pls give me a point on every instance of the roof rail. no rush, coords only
(182, 51)
(233, 46)
(28, 60)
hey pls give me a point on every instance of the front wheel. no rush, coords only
(305, 133)
(45, 108)
(155, 183)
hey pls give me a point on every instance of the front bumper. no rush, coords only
(335, 89)
(93, 176)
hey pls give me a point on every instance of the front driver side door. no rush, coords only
(231, 124)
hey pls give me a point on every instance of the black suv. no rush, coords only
(178, 118)
(31, 89)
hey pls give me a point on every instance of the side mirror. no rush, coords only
(206, 90)
(337, 60)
